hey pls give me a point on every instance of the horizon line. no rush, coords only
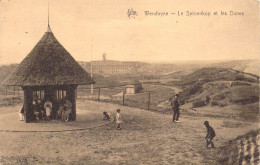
(161, 62)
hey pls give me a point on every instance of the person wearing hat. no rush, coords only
(176, 108)
(210, 134)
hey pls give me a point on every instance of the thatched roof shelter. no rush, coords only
(48, 73)
(49, 63)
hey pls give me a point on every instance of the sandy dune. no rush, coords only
(146, 138)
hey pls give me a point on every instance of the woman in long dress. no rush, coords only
(48, 107)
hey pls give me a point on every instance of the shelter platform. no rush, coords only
(86, 119)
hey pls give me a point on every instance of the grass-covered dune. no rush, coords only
(217, 74)
(220, 84)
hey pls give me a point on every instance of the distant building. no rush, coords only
(109, 67)
(112, 67)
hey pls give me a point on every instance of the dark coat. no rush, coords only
(175, 104)
(210, 132)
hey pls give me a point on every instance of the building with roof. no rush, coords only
(133, 87)
(108, 67)
(48, 72)
(112, 67)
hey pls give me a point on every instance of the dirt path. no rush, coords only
(146, 138)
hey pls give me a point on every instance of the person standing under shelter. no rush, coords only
(48, 108)
(176, 108)
(36, 108)
(60, 112)
(68, 109)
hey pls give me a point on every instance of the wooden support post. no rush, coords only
(91, 91)
(28, 105)
(14, 90)
(98, 94)
(123, 97)
(72, 95)
(149, 97)
(25, 106)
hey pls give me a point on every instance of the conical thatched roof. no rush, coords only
(49, 63)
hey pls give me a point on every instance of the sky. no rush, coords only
(106, 26)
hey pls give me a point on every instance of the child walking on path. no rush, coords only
(118, 118)
(210, 134)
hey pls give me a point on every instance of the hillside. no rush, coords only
(102, 81)
(249, 66)
(218, 74)
(5, 70)
(221, 87)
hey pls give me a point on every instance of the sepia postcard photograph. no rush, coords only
(119, 82)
